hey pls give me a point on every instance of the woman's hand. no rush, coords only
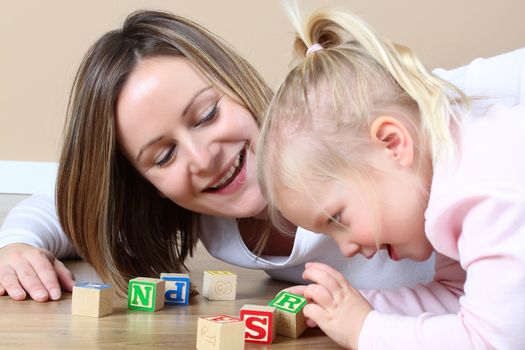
(335, 306)
(25, 269)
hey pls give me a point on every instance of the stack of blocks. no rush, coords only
(92, 299)
(256, 323)
(260, 323)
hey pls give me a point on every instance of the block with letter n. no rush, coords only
(290, 318)
(146, 294)
(259, 322)
(220, 332)
(177, 288)
(219, 285)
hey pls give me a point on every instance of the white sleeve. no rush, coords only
(34, 221)
(498, 79)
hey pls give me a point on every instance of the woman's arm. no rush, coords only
(31, 240)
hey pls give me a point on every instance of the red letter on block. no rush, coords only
(259, 323)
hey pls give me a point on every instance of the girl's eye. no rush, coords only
(211, 115)
(166, 157)
(336, 218)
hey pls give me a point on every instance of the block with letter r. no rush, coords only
(146, 294)
(177, 288)
(290, 318)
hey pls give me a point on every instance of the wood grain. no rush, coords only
(31, 325)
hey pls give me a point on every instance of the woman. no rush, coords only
(158, 152)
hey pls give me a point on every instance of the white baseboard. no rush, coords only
(19, 177)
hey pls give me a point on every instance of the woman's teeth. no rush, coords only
(229, 174)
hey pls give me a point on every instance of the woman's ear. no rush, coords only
(394, 137)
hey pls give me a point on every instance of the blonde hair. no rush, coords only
(349, 83)
(114, 217)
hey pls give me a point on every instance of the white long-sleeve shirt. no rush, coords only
(34, 220)
(475, 220)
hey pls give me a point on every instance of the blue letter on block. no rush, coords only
(177, 290)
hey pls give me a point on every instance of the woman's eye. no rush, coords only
(166, 156)
(210, 115)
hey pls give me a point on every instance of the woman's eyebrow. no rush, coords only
(151, 142)
(192, 100)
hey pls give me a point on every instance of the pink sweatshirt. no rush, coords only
(476, 222)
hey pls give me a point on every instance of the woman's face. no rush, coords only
(191, 141)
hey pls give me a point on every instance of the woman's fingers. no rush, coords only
(10, 283)
(65, 276)
(25, 269)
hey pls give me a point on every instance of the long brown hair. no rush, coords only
(114, 217)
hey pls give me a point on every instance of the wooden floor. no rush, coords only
(31, 325)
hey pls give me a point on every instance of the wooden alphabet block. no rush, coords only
(220, 332)
(177, 288)
(146, 294)
(92, 299)
(259, 321)
(219, 285)
(290, 317)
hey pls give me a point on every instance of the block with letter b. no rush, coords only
(177, 289)
(219, 285)
(259, 322)
(290, 318)
(220, 332)
(146, 294)
(92, 299)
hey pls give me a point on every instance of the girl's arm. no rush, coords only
(491, 248)
(499, 79)
(31, 240)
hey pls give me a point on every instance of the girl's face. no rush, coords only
(386, 213)
(191, 141)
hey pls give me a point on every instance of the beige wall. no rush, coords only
(42, 42)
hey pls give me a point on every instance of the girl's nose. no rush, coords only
(349, 249)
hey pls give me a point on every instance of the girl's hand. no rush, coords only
(27, 269)
(336, 307)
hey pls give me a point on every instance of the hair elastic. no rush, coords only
(313, 48)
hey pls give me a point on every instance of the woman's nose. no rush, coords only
(201, 157)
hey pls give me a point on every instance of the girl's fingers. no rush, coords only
(299, 290)
(326, 277)
(319, 295)
(329, 270)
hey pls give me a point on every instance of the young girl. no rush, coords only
(364, 145)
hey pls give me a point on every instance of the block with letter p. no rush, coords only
(146, 294)
(259, 321)
(219, 285)
(220, 332)
(290, 318)
(177, 288)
